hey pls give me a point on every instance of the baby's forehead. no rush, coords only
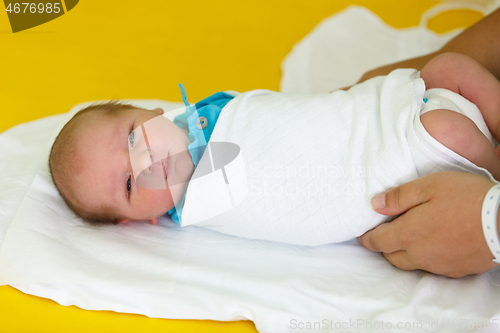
(98, 136)
(85, 126)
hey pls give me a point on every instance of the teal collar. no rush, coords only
(200, 120)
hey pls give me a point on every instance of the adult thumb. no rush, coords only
(402, 198)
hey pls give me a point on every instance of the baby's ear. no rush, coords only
(158, 110)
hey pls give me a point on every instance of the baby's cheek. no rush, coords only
(156, 202)
(164, 200)
(185, 170)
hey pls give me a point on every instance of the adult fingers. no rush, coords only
(404, 197)
(386, 237)
(401, 259)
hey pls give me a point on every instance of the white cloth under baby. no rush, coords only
(314, 161)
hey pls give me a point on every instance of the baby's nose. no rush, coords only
(151, 159)
(141, 160)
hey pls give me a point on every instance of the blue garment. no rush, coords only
(209, 108)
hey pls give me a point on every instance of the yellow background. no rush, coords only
(142, 50)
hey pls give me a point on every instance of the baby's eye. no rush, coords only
(129, 185)
(131, 139)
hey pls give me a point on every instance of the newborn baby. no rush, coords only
(90, 160)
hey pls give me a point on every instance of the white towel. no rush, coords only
(314, 161)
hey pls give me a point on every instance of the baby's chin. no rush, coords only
(178, 191)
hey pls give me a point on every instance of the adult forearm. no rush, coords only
(481, 42)
(417, 63)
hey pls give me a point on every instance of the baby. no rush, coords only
(90, 160)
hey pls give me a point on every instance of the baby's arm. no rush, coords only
(465, 76)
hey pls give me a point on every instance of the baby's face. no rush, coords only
(108, 178)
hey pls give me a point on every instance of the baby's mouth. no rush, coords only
(166, 166)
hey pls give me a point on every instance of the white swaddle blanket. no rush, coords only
(314, 161)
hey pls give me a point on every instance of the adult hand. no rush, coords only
(440, 230)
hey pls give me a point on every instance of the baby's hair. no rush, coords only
(63, 152)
